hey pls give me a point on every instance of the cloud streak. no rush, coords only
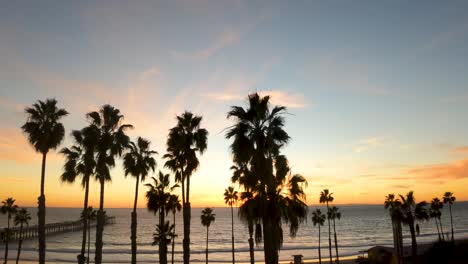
(277, 97)
(446, 171)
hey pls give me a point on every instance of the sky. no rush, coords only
(377, 92)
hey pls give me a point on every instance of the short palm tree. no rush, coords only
(248, 212)
(22, 218)
(111, 142)
(230, 198)
(45, 133)
(450, 200)
(207, 217)
(90, 214)
(185, 140)
(334, 214)
(158, 200)
(79, 160)
(138, 162)
(326, 197)
(175, 206)
(318, 219)
(413, 212)
(163, 234)
(9, 208)
(394, 206)
(435, 212)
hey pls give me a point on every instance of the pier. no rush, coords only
(30, 232)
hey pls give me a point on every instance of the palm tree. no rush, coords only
(413, 212)
(183, 143)
(394, 206)
(9, 208)
(44, 132)
(207, 217)
(326, 197)
(174, 206)
(318, 219)
(163, 234)
(158, 200)
(111, 141)
(79, 160)
(230, 198)
(90, 215)
(450, 199)
(333, 214)
(258, 137)
(138, 162)
(434, 212)
(22, 218)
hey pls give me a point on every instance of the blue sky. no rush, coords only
(377, 91)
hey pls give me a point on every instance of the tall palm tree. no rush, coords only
(334, 214)
(163, 234)
(9, 208)
(111, 141)
(138, 161)
(207, 217)
(450, 200)
(394, 206)
(45, 133)
(230, 198)
(413, 212)
(258, 136)
(318, 219)
(79, 160)
(22, 218)
(158, 200)
(185, 140)
(435, 212)
(174, 206)
(326, 197)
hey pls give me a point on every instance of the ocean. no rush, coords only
(361, 227)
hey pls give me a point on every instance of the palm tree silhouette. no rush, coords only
(44, 132)
(318, 219)
(258, 137)
(22, 218)
(413, 212)
(394, 206)
(230, 198)
(138, 161)
(158, 200)
(183, 143)
(175, 206)
(163, 233)
(450, 199)
(111, 141)
(326, 197)
(9, 208)
(207, 217)
(434, 212)
(333, 214)
(79, 160)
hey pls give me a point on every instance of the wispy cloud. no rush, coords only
(461, 150)
(445, 171)
(444, 38)
(369, 143)
(278, 97)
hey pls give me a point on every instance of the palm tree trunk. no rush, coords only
(320, 253)
(7, 237)
(89, 240)
(336, 243)
(41, 214)
(271, 255)
(451, 220)
(441, 229)
(251, 243)
(438, 231)
(329, 235)
(187, 218)
(232, 229)
(100, 225)
(134, 223)
(173, 238)
(207, 230)
(162, 241)
(400, 240)
(81, 257)
(414, 245)
(20, 242)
